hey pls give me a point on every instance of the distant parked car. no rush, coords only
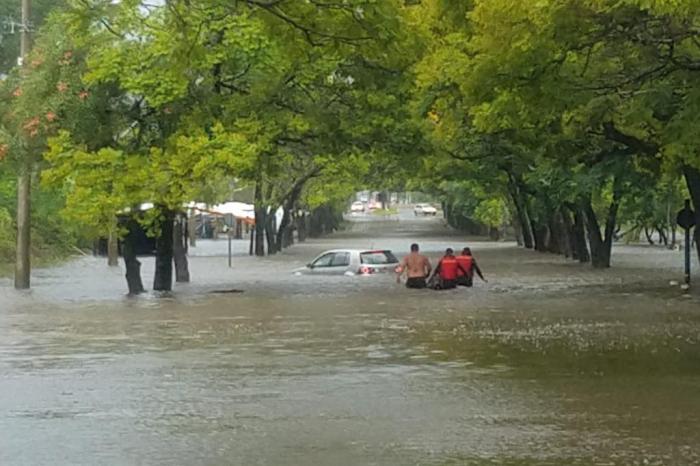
(357, 206)
(424, 209)
(351, 262)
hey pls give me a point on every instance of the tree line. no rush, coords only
(572, 120)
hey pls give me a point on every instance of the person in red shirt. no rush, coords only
(468, 263)
(448, 270)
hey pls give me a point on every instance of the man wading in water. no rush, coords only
(417, 268)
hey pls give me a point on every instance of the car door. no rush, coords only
(332, 263)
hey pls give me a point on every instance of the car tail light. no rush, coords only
(364, 270)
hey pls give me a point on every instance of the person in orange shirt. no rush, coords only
(448, 270)
(468, 263)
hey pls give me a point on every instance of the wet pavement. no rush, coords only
(550, 363)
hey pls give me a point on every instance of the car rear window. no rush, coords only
(378, 257)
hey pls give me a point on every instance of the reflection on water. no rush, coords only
(549, 364)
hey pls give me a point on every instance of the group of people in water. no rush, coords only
(451, 271)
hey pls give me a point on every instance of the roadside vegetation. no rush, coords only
(571, 123)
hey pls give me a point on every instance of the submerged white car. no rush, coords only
(424, 209)
(351, 262)
(357, 206)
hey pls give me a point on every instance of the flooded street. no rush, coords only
(550, 363)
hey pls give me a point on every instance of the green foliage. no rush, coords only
(572, 101)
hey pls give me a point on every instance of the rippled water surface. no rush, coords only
(550, 363)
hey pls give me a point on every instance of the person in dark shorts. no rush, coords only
(415, 282)
(448, 269)
(468, 263)
(416, 266)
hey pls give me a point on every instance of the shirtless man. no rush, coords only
(417, 268)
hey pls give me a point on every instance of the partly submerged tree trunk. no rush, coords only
(647, 234)
(238, 229)
(285, 232)
(182, 272)
(163, 279)
(566, 242)
(541, 235)
(523, 216)
(554, 242)
(113, 249)
(599, 258)
(192, 228)
(579, 237)
(601, 245)
(131, 263)
(301, 226)
(517, 228)
(315, 223)
(260, 218)
(270, 222)
(692, 179)
(662, 235)
(259, 231)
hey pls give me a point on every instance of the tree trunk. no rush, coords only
(260, 218)
(285, 229)
(131, 263)
(192, 228)
(23, 262)
(662, 235)
(581, 245)
(182, 272)
(554, 241)
(288, 237)
(566, 233)
(692, 179)
(541, 233)
(315, 223)
(670, 225)
(301, 227)
(598, 257)
(674, 240)
(522, 214)
(285, 233)
(113, 249)
(163, 279)
(648, 236)
(601, 246)
(518, 231)
(270, 222)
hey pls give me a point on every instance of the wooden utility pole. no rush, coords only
(24, 182)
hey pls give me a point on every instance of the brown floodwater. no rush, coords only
(550, 363)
